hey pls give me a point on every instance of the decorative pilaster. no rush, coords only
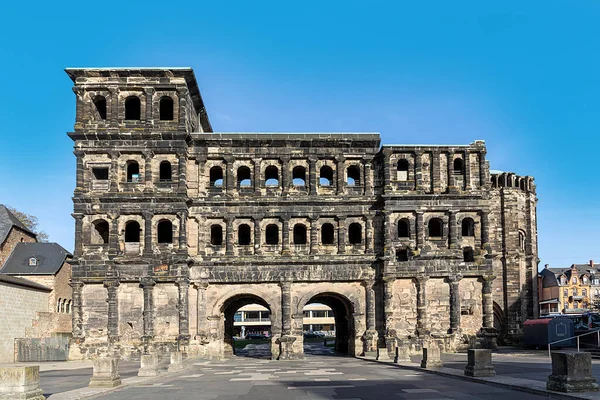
(183, 283)
(340, 160)
(314, 235)
(148, 170)
(182, 167)
(285, 236)
(257, 178)
(286, 307)
(450, 165)
(113, 238)
(257, 248)
(112, 286)
(79, 174)
(485, 229)
(467, 159)
(76, 310)
(422, 306)
(312, 175)
(229, 236)
(370, 337)
(201, 306)
(148, 234)
(483, 180)
(388, 297)
(341, 235)
(229, 178)
(149, 109)
(78, 234)
(418, 170)
(114, 170)
(368, 236)
(285, 175)
(387, 177)
(454, 281)
(147, 285)
(487, 302)
(420, 233)
(452, 236)
(368, 178)
(183, 230)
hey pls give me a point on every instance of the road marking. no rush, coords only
(319, 387)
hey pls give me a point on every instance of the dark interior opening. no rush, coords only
(468, 255)
(244, 235)
(133, 108)
(403, 228)
(243, 177)
(299, 234)
(458, 166)
(100, 234)
(468, 227)
(299, 176)
(133, 171)
(100, 173)
(216, 235)
(435, 227)
(355, 233)
(165, 173)
(164, 232)
(353, 175)
(327, 234)
(271, 176)
(100, 106)
(272, 234)
(132, 232)
(216, 177)
(326, 176)
(166, 108)
(402, 255)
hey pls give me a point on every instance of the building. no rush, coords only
(568, 290)
(254, 318)
(12, 231)
(178, 227)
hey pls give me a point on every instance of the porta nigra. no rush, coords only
(177, 227)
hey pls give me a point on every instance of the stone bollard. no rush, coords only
(106, 373)
(382, 354)
(479, 363)
(571, 372)
(431, 357)
(149, 365)
(176, 361)
(402, 354)
(20, 382)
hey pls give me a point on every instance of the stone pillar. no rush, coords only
(183, 230)
(229, 236)
(485, 229)
(202, 315)
(286, 307)
(76, 310)
(483, 181)
(113, 238)
(436, 172)
(368, 176)
(452, 236)
(148, 235)
(488, 303)
(341, 235)
(314, 236)
(80, 172)
(257, 248)
(182, 94)
(340, 160)
(148, 170)
(78, 234)
(450, 165)
(479, 363)
(20, 382)
(285, 235)
(114, 170)
(431, 357)
(454, 303)
(467, 160)
(183, 283)
(422, 329)
(105, 373)
(387, 176)
(229, 178)
(257, 178)
(149, 117)
(147, 285)
(571, 372)
(312, 175)
(111, 286)
(420, 233)
(285, 175)
(182, 168)
(418, 170)
(113, 102)
(368, 235)
(370, 336)
(388, 297)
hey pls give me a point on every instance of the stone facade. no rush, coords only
(178, 227)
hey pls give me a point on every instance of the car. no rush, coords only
(255, 336)
(310, 335)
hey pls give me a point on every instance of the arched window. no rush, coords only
(299, 234)
(458, 166)
(244, 235)
(468, 255)
(58, 303)
(166, 108)
(522, 240)
(164, 231)
(272, 234)
(468, 227)
(243, 177)
(216, 235)
(132, 232)
(299, 176)
(133, 108)
(355, 233)
(402, 255)
(100, 107)
(326, 176)
(33, 261)
(216, 177)
(403, 228)
(99, 232)
(68, 307)
(435, 228)
(133, 171)
(165, 172)
(353, 173)
(327, 233)
(403, 169)
(271, 176)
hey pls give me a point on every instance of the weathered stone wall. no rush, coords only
(15, 236)
(18, 307)
(405, 307)
(471, 311)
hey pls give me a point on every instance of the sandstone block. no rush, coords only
(479, 363)
(20, 382)
(571, 372)
(106, 373)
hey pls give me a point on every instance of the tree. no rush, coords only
(30, 222)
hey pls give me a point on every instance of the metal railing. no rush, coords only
(575, 337)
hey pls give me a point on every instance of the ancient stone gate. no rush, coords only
(177, 227)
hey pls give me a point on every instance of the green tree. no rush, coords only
(30, 222)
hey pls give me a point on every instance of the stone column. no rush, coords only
(76, 310)
(80, 108)
(368, 178)
(257, 178)
(312, 175)
(341, 235)
(285, 175)
(487, 302)
(422, 329)
(452, 236)
(229, 178)
(314, 235)
(450, 165)
(257, 243)
(78, 234)
(368, 235)
(182, 168)
(148, 234)
(285, 236)
(370, 337)
(388, 297)
(485, 229)
(148, 170)
(113, 102)
(202, 315)
(420, 233)
(436, 172)
(182, 94)
(454, 303)
(467, 159)
(79, 174)
(149, 94)
(340, 160)
(114, 171)
(482, 170)
(286, 307)
(183, 230)
(113, 238)
(201, 165)
(113, 312)
(147, 285)
(183, 283)
(418, 170)
(229, 236)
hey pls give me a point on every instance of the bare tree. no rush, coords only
(30, 222)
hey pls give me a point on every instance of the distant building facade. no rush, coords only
(12, 231)
(569, 290)
(177, 228)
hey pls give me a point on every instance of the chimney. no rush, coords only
(591, 263)
(546, 266)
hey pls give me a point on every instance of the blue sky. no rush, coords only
(523, 76)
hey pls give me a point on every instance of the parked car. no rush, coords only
(255, 336)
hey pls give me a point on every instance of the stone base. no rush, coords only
(402, 354)
(286, 346)
(479, 363)
(571, 372)
(382, 354)
(431, 358)
(106, 373)
(176, 361)
(149, 365)
(20, 382)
